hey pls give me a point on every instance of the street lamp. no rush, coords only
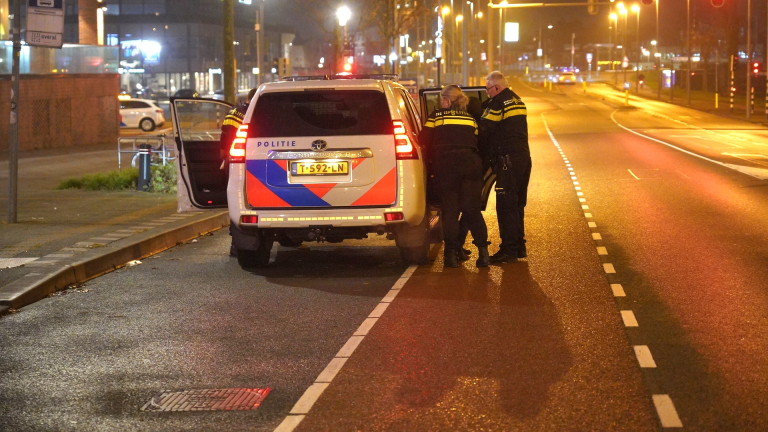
(343, 14)
(636, 10)
(623, 12)
(613, 18)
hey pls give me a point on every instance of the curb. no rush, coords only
(23, 292)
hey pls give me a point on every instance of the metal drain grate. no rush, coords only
(208, 400)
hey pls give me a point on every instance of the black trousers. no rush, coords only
(459, 175)
(512, 179)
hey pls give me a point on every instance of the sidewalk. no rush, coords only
(64, 237)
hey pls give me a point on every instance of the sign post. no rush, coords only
(13, 145)
(45, 23)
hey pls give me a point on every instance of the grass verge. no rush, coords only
(163, 180)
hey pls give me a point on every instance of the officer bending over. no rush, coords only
(450, 137)
(229, 128)
(504, 129)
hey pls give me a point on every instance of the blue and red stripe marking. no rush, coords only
(267, 186)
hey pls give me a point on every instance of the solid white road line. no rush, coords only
(331, 370)
(310, 396)
(680, 149)
(633, 174)
(366, 326)
(290, 423)
(666, 411)
(618, 290)
(350, 346)
(644, 357)
(629, 318)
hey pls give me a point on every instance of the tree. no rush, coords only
(391, 18)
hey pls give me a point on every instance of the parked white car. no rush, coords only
(141, 113)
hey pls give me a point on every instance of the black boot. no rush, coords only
(462, 254)
(503, 256)
(451, 259)
(484, 260)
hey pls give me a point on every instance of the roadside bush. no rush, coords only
(163, 180)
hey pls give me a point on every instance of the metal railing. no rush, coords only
(163, 149)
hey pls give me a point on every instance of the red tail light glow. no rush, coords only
(249, 219)
(404, 149)
(237, 151)
(389, 217)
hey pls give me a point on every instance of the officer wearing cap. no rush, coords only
(450, 138)
(504, 129)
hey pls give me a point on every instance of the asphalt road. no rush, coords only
(642, 306)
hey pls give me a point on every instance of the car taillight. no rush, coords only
(249, 219)
(404, 149)
(237, 150)
(160, 111)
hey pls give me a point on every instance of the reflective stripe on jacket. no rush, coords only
(504, 125)
(447, 129)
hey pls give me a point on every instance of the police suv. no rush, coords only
(322, 159)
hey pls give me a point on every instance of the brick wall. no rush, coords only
(62, 111)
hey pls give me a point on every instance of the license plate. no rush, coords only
(319, 168)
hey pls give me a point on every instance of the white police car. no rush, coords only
(140, 113)
(315, 160)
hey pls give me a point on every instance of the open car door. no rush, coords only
(429, 100)
(202, 173)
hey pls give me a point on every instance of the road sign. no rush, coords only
(45, 23)
(589, 57)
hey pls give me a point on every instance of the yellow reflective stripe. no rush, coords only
(514, 112)
(236, 117)
(462, 121)
(230, 122)
(430, 123)
(492, 117)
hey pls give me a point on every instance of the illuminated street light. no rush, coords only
(445, 11)
(343, 14)
(459, 18)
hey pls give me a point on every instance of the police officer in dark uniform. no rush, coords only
(504, 129)
(232, 122)
(450, 138)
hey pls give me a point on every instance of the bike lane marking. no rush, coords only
(312, 394)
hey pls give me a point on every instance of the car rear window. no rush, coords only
(321, 113)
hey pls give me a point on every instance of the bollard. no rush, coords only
(145, 173)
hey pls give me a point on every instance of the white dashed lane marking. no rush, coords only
(629, 318)
(665, 409)
(644, 357)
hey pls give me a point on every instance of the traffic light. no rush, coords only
(284, 67)
(349, 64)
(734, 64)
(715, 3)
(592, 7)
(755, 68)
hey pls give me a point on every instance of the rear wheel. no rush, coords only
(255, 258)
(147, 125)
(418, 255)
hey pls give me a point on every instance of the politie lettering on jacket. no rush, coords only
(275, 143)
